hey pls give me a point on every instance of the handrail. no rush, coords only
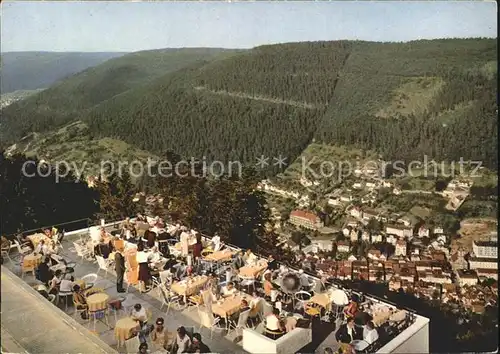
(11, 236)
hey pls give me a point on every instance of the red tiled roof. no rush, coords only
(304, 215)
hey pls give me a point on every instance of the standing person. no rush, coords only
(144, 272)
(43, 272)
(120, 270)
(184, 240)
(197, 248)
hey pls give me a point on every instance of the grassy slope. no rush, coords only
(75, 144)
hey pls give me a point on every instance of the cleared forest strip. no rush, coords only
(260, 98)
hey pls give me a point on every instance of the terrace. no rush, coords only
(407, 334)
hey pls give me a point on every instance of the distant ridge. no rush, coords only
(35, 70)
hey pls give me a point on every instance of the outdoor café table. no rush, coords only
(37, 238)
(93, 290)
(124, 328)
(97, 302)
(322, 300)
(189, 287)
(251, 271)
(229, 305)
(219, 256)
(191, 243)
(32, 260)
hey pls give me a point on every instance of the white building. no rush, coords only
(343, 247)
(346, 198)
(399, 230)
(356, 212)
(485, 249)
(485, 263)
(392, 240)
(423, 232)
(324, 244)
(333, 201)
(465, 277)
(438, 230)
(400, 248)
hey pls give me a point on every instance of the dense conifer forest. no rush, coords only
(403, 100)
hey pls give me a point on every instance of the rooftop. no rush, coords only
(486, 243)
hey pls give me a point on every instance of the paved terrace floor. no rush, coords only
(32, 324)
(323, 333)
(150, 300)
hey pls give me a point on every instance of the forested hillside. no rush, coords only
(68, 99)
(402, 100)
(36, 70)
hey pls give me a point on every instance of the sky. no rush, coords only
(131, 26)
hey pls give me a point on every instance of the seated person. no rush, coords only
(159, 335)
(352, 309)
(25, 241)
(127, 224)
(167, 276)
(66, 285)
(229, 289)
(43, 272)
(274, 326)
(283, 270)
(231, 273)
(181, 343)
(42, 248)
(238, 260)
(55, 282)
(143, 348)
(80, 300)
(198, 346)
(347, 332)
(103, 249)
(243, 307)
(139, 314)
(249, 257)
(155, 255)
(370, 334)
(254, 305)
